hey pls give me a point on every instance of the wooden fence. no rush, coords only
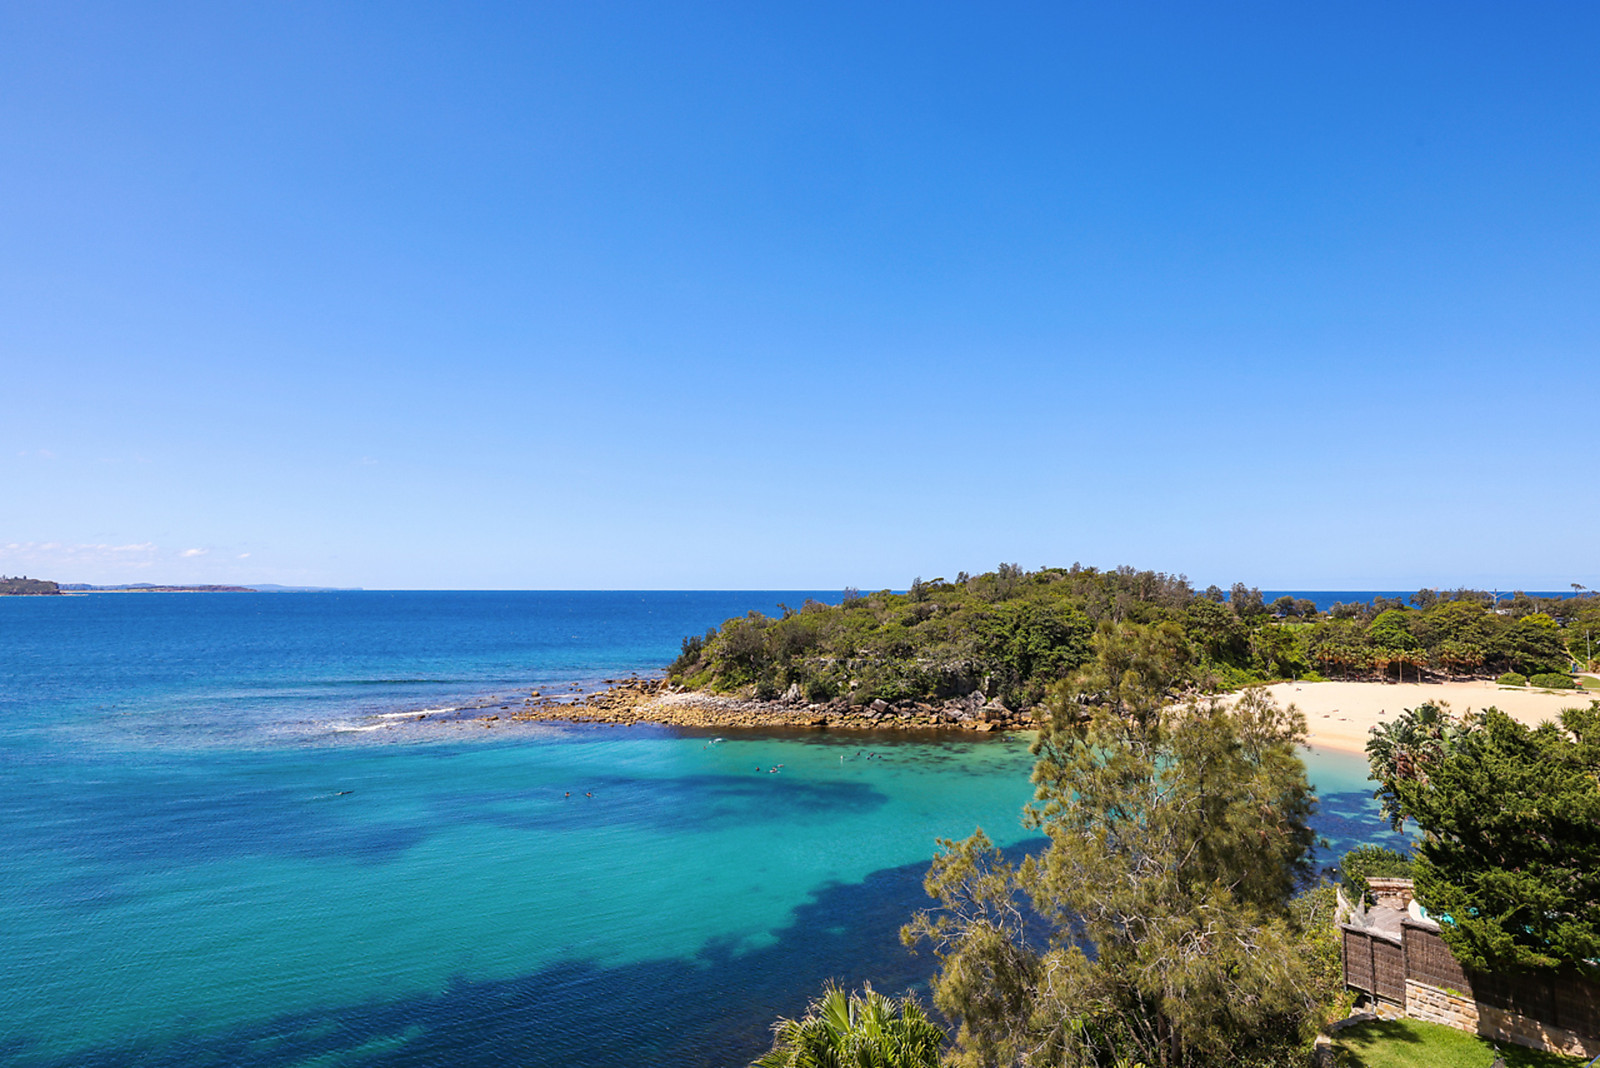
(1566, 1001)
(1375, 965)
(1379, 965)
(1429, 960)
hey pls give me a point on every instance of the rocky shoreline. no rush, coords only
(653, 701)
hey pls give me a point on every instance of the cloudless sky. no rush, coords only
(595, 295)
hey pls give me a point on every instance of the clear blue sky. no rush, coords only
(799, 296)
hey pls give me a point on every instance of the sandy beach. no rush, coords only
(1339, 714)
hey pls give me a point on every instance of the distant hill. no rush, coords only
(150, 587)
(27, 587)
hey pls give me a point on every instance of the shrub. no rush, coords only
(1551, 681)
(850, 1029)
(1511, 678)
(692, 650)
(821, 688)
(1365, 861)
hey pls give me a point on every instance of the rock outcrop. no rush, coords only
(653, 701)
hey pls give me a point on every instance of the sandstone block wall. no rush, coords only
(1503, 1026)
(1441, 1006)
(1438, 1005)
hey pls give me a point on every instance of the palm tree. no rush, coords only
(856, 1031)
(1406, 747)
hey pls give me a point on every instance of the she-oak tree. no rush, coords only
(1156, 924)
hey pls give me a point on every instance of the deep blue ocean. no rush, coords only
(226, 842)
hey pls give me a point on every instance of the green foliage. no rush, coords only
(865, 1030)
(1363, 862)
(1215, 631)
(1011, 633)
(1532, 645)
(1157, 923)
(1014, 633)
(1511, 678)
(1339, 648)
(693, 647)
(1583, 636)
(26, 587)
(1409, 747)
(1511, 841)
(1392, 630)
(1314, 913)
(1552, 681)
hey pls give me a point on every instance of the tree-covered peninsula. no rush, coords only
(1011, 634)
(27, 587)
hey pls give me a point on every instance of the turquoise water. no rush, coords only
(210, 861)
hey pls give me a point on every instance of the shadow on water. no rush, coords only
(712, 1010)
(169, 822)
(1350, 819)
(172, 822)
(675, 805)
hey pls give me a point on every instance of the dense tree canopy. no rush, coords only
(1013, 634)
(1510, 854)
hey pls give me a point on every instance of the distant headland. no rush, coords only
(29, 587)
(150, 587)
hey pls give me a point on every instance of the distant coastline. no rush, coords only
(145, 587)
(36, 587)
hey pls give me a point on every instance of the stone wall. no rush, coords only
(1438, 1005)
(1390, 891)
(1503, 1026)
(1460, 1011)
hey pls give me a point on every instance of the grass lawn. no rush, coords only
(1414, 1044)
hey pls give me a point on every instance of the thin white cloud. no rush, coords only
(193, 552)
(244, 556)
(82, 562)
(92, 549)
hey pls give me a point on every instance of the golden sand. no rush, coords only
(1339, 714)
